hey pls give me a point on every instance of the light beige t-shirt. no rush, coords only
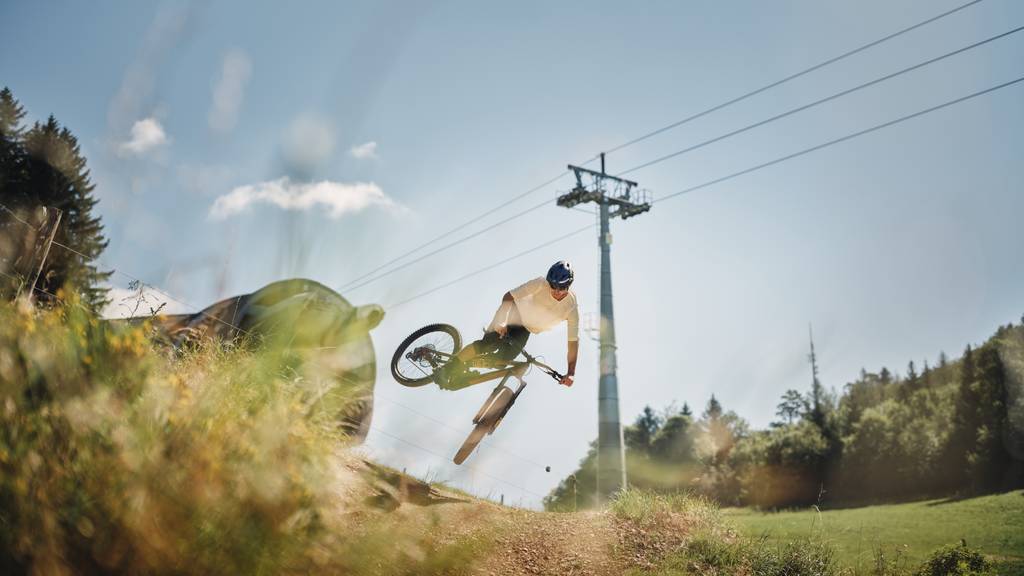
(540, 312)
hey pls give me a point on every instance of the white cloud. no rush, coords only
(125, 303)
(308, 143)
(367, 151)
(229, 91)
(339, 198)
(147, 134)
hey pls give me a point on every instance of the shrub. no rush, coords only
(954, 561)
(797, 558)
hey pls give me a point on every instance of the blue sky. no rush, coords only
(895, 245)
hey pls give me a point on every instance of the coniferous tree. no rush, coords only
(884, 376)
(912, 382)
(56, 176)
(674, 441)
(964, 423)
(988, 459)
(713, 411)
(12, 153)
(792, 406)
(638, 436)
(12, 176)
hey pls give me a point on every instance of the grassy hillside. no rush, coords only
(121, 456)
(993, 524)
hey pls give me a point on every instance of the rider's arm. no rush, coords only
(574, 350)
(500, 322)
(574, 344)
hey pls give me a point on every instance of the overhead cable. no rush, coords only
(822, 100)
(790, 77)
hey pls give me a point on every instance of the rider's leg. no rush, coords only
(506, 348)
(447, 376)
(513, 343)
(486, 345)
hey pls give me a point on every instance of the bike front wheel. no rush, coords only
(474, 438)
(423, 352)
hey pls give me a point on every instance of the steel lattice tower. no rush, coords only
(609, 192)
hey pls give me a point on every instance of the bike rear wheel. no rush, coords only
(423, 352)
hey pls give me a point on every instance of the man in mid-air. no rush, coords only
(535, 307)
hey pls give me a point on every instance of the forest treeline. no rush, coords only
(955, 428)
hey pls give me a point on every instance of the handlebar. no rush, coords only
(544, 367)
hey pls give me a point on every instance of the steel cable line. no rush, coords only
(459, 227)
(626, 144)
(492, 266)
(842, 139)
(44, 291)
(665, 128)
(822, 100)
(450, 245)
(790, 77)
(734, 175)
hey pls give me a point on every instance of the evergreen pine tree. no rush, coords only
(714, 409)
(911, 383)
(12, 176)
(674, 441)
(988, 459)
(638, 436)
(57, 176)
(962, 436)
(884, 376)
(12, 153)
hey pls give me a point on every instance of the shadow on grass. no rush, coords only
(962, 497)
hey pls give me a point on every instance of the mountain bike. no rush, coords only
(431, 347)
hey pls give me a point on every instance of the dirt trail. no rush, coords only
(549, 543)
(511, 541)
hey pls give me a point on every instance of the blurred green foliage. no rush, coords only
(120, 456)
(955, 428)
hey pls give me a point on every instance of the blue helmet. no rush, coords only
(560, 275)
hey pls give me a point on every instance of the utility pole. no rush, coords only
(813, 359)
(607, 192)
(816, 389)
(42, 240)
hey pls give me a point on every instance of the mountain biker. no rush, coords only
(535, 307)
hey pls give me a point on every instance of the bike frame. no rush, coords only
(503, 369)
(517, 370)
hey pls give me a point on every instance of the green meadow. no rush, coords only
(992, 524)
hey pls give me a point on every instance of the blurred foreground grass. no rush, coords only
(118, 455)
